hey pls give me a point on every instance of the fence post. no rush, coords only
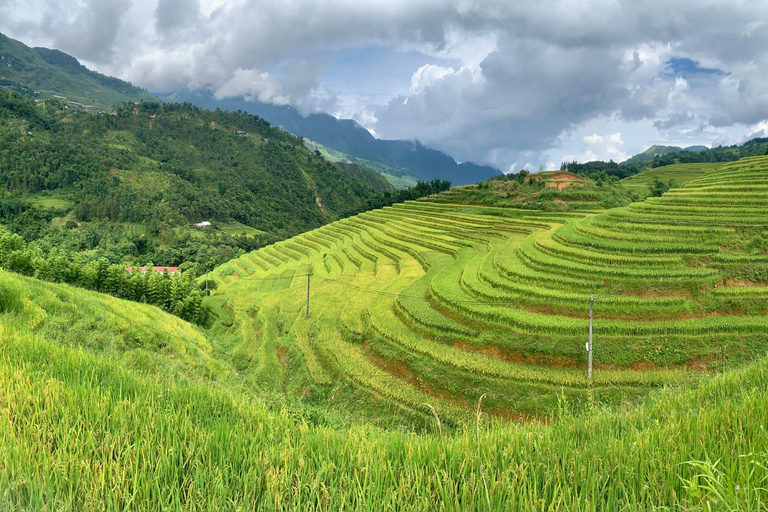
(589, 344)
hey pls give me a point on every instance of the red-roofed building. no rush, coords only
(143, 270)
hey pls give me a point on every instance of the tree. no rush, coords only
(657, 188)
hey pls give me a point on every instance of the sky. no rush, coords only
(513, 84)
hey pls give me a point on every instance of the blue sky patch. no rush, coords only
(683, 67)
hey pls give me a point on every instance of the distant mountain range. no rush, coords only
(45, 73)
(347, 140)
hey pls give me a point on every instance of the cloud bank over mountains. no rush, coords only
(511, 84)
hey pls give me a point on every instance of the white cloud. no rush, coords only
(600, 147)
(427, 76)
(517, 79)
(251, 84)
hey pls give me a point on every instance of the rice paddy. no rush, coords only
(459, 329)
(433, 305)
(680, 173)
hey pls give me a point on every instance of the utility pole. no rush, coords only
(589, 343)
(309, 275)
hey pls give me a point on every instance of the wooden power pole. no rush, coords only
(309, 275)
(589, 343)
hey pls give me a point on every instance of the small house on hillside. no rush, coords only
(143, 270)
(242, 133)
(203, 224)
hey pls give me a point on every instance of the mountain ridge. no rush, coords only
(405, 158)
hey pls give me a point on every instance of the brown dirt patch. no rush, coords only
(740, 282)
(566, 176)
(517, 357)
(403, 372)
(282, 356)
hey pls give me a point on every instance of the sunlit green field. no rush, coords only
(681, 173)
(138, 413)
(431, 306)
(48, 201)
(441, 367)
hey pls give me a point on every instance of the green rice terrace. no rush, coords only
(442, 366)
(433, 305)
(678, 173)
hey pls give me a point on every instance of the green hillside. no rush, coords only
(680, 173)
(139, 178)
(45, 73)
(662, 156)
(548, 190)
(399, 178)
(145, 412)
(347, 140)
(658, 150)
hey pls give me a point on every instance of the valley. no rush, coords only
(445, 302)
(442, 361)
(205, 310)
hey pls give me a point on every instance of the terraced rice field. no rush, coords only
(681, 173)
(433, 305)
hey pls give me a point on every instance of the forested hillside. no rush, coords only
(658, 150)
(133, 182)
(398, 158)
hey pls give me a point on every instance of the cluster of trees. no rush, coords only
(600, 169)
(752, 147)
(421, 189)
(657, 188)
(177, 294)
(200, 250)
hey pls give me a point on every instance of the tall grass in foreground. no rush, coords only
(79, 431)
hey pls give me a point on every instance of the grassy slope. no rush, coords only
(681, 173)
(443, 302)
(84, 427)
(397, 177)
